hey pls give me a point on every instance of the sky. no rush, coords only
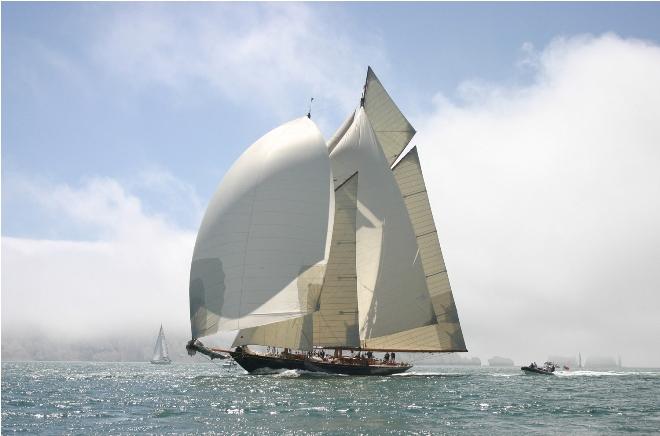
(538, 129)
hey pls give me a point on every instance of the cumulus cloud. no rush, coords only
(546, 198)
(123, 282)
(255, 53)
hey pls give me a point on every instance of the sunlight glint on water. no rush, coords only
(204, 397)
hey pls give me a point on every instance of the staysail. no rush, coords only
(262, 246)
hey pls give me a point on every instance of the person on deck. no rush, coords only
(387, 357)
(392, 356)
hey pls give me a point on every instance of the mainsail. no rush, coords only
(380, 283)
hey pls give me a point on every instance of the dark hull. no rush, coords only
(530, 370)
(338, 368)
(254, 362)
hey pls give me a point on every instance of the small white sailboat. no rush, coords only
(161, 355)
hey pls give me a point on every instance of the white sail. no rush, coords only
(336, 321)
(295, 333)
(445, 334)
(392, 128)
(262, 246)
(332, 142)
(391, 286)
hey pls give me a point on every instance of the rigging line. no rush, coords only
(414, 193)
(427, 233)
(436, 273)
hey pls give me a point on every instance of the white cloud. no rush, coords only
(255, 53)
(546, 198)
(128, 281)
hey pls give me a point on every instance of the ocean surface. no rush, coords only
(128, 398)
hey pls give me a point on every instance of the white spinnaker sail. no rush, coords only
(262, 246)
(391, 286)
(446, 334)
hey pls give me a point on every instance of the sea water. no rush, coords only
(128, 398)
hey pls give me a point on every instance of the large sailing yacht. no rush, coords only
(316, 250)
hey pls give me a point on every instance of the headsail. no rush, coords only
(262, 246)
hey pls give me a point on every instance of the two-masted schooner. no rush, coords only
(325, 252)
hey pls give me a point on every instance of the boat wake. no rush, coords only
(428, 374)
(585, 373)
(293, 373)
